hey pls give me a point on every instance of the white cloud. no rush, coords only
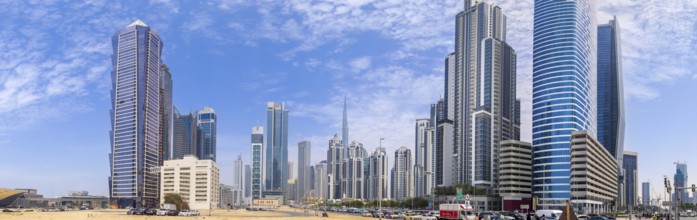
(360, 64)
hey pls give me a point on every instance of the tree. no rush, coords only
(176, 199)
(452, 190)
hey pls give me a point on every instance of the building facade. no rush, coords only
(680, 180)
(423, 166)
(257, 163)
(646, 193)
(445, 166)
(196, 181)
(378, 183)
(335, 161)
(184, 135)
(135, 116)
(276, 147)
(564, 92)
(630, 172)
(485, 96)
(165, 113)
(207, 123)
(247, 181)
(515, 174)
(355, 179)
(593, 174)
(304, 158)
(225, 200)
(322, 180)
(403, 175)
(238, 181)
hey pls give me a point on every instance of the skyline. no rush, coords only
(319, 111)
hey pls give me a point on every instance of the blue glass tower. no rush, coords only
(135, 116)
(680, 180)
(610, 91)
(564, 91)
(631, 178)
(276, 147)
(207, 123)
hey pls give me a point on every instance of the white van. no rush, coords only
(549, 214)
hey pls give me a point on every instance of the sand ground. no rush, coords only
(283, 213)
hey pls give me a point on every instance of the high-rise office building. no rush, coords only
(402, 174)
(291, 174)
(564, 92)
(184, 135)
(335, 161)
(485, 92)
(378, 183)
(680, 180)
(355, 180)
(646, 193)
(247, 181)
(593, 168)
(445, 146)
(135, 116)
(304, 157)
(238, 181)
(321, 180)
(207, 123)
(257, 165)
(225, 200)
(276, 147)
(165, 113)
(630, 171)
(424, 146)
(610, 97)
(610, 89)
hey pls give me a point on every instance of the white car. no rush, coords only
(162, 212)
(185, 213)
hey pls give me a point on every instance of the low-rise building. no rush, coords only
(515, 174)
(593, 174)
(197, 181)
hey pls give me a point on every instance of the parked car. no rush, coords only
(185, 212)
(172, 213)
(6, 210)
(139, 211)
(150, 211)
(367, 214)
(162, 212)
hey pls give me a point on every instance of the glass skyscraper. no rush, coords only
(564, 91)
(135, 119)
(276, 147)
(610, 90)
(207, 123)
(184, 135)
(631, 179)
(166, 113)
(680, 180)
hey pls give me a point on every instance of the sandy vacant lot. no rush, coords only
(110, 214)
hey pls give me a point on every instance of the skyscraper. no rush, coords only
(207, 122)
(680, 180)
(321, 180)
(630, 168)
(355, 180)
(445, 145)
(135, 116)
(184, 135)
(335, 161)
(423, 144)
(402, 174)
(378, 184)
(345, 130)
(238, 181)
(610, 97)
(276, 147)
(485, 96)
(610, 89)
(257, 165)
(304, 158)
(646, 193)
(564, 92)
(247, 181)
(165, 113)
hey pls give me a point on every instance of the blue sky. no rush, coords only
(234, 56)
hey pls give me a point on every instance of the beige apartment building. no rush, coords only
(197, 181)
(593, 174)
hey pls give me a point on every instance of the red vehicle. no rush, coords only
(456, 211)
